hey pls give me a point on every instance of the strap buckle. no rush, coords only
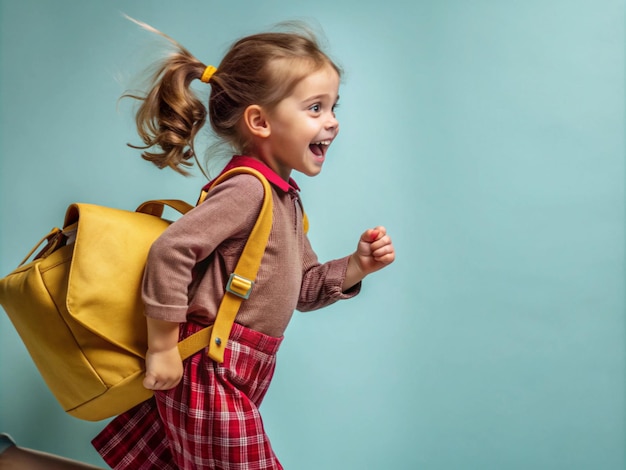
(239, 286)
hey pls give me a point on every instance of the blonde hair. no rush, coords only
(258, 69)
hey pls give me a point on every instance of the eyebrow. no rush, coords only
(319, 97)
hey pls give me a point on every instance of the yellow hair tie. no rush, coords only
(208, 73)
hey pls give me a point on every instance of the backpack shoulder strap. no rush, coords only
(241, 280)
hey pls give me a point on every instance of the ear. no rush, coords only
(256, 121)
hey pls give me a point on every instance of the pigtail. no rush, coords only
(170, 114)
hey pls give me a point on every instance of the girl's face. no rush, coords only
(303, 125)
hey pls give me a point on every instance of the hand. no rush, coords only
(374, 251)
(164, 369)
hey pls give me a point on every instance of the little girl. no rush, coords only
(272, 98)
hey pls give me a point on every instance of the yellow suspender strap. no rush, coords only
(241, 281)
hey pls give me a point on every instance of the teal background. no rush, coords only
(488, 136)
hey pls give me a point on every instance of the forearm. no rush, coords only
(354, 275)
(162, 335)
(322, 285)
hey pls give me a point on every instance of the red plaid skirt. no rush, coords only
(210, 420)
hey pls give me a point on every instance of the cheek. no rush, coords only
(313, 126)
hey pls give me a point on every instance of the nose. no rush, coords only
(331, 122)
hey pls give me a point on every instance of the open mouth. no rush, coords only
(319, 148)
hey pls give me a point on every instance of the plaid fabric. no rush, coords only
(136, 440)
(209, 421)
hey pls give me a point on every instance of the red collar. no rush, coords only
(271, 175)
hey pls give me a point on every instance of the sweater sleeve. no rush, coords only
(229, 211)
(322, 283)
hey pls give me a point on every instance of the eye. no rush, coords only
(316, 108)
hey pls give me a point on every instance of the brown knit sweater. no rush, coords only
(189, 265)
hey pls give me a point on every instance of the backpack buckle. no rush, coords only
(239, 286)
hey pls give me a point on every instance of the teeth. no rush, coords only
(323, 142)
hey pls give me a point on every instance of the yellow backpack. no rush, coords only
(77, 306)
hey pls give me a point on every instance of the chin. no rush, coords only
(311, 172)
